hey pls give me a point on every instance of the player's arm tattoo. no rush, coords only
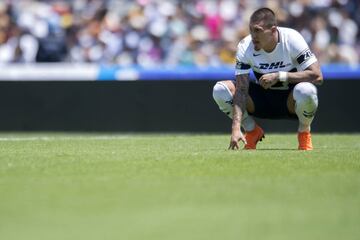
(240, 98)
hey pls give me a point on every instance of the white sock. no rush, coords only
(224, 99)
(247, 122)
(306, 103)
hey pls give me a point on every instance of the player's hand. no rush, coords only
(268, 80)
(236, 137)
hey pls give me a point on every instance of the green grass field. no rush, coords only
(177, 187)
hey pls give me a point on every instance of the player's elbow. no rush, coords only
(314, 74)
(317, 77)
(319, 80)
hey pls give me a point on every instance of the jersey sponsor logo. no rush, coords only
(274, 65)
(242, 66)
(255, 55)
(304, 56)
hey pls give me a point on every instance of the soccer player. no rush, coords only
(286, 73)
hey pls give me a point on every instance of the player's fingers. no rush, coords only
(233, 146)
(236, 146)
(262, 82)
(265, 85)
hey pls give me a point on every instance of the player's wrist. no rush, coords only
(283, 77)
(236, 125)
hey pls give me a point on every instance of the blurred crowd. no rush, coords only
(176, 32)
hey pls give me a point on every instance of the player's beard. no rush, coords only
(257, 45)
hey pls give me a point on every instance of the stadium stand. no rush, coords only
(173, 32)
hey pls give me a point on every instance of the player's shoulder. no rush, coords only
(245, 43)
(288, 33)
(244, 47)
(286, 30)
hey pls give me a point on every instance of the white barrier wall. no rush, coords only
(49, 72)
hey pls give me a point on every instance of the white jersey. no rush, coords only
(291, 54)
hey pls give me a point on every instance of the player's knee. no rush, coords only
(221, 92)
(305, 91)
(223, 97)
(306, 102)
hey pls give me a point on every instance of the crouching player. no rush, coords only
(286, 73)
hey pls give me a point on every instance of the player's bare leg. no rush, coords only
(223, 93)
(304, 102)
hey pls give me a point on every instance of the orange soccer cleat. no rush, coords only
(253, 137)
(305, 142)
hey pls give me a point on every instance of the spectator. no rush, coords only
(153, 32)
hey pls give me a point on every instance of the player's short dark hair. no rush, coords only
(264, 14)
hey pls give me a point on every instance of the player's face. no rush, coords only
(261, 35)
